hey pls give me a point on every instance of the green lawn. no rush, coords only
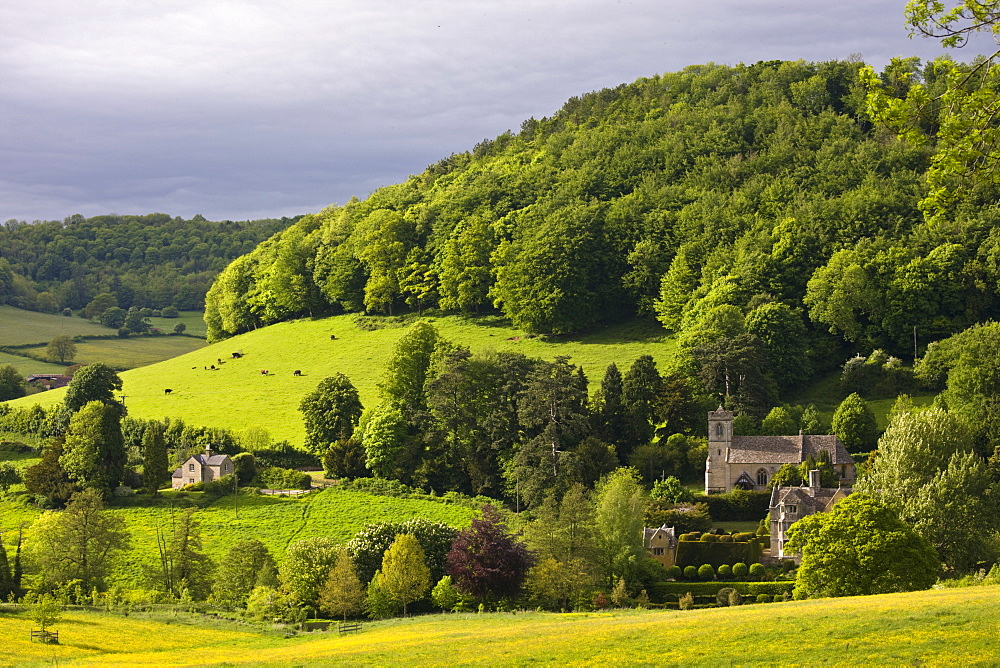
(949, 627)
(18, 327)
(27, 365)
(237, 396)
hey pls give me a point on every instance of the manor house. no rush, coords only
(749, 462)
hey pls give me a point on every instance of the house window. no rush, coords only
(190, 467)
(225, 467)
(191, 481)
(657, 551)
(761, 477)
(791, 510)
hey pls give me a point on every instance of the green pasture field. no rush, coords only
(27, 365)
(826, 395)
(193, 320)
(277, 521)
(18, 327)
(132, 352)
(947, 627)
(236, 396)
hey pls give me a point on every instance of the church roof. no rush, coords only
(786, 449)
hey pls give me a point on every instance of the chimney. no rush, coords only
(814, 479)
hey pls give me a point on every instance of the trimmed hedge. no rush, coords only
(664, 589)
(736, 506)
(696, 553)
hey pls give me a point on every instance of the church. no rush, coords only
(749, 462)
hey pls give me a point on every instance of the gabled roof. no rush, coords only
(786, 449)
(214, 460)
(817, 499)
(179, 473)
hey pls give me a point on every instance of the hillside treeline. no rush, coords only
(150, 261)
(671, 197)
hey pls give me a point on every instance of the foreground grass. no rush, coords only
(235, 395)
(942, 627)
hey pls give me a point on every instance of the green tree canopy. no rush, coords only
(331, 412)
(405, 576)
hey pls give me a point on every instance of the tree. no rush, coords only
(854, 424)
(563, 529)
(778, 423)
(6, 577)
(405, 576)
(46, 611)
(859, 548)
(94, 382)
(671, 490)
(342, 593)
(486, 561)
(114, 317)
(78, 543)
(560, 585)
(99, 305)
(641, 389)
(179, 328)
(48, 478)
(247, 565)
(367, 547)
(11, 383)
(61, 349)
(155, 466)
(9, 476)
(331, 412)
(187, 567)
(94, 451)
(620, 504)
(306, 566)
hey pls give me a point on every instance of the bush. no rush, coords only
(757, 571)
(722, 597)
(779, 598)
(283, 455)
(684, 517)
(663, 590)
(273, 477)
(744, 537)
(124, 332)
(220, 487)
(736, 506)
(764, 598)
(170, 312)
(724, 572)
(686, 602)
(726, 539)
(709, 538)
(706, 572)
(693, 535)
(690, 573)
(675, 572)
(740, 570)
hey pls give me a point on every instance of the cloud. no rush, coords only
(238, 109)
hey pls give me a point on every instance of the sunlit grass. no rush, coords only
(18, 327)
(940, 628)
(237, 396)
(131, 352)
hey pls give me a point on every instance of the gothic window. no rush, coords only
(718, 430)
(761, 477)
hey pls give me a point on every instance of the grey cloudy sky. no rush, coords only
(246, 109)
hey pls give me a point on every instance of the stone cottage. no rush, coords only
(749, 462)
(790, 504)
(661, 544)
(202, 468)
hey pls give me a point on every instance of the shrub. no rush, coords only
(764, 598)
(706, 572)
(709, 538)
(724, 572)
(123, 332)
(690, 573)
(726, 539)
(779, 598)
(686, 602)
(693, 535)
(274, 477)
(740, 570)
(735, 598)
(722, 598)
(744, 536)
(684, 517)
(757, 571)
(170, 312)
(675, 572)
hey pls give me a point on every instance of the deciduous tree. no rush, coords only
(61, 349)
(405, 576)
(342, 593)
(488, 562)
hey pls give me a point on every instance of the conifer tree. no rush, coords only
(154, 458)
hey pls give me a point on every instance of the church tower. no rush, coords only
(720, 439)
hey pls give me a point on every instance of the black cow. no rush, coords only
(167, 391)
(297, 372)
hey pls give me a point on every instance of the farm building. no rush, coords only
(202, 468)
(49, 381)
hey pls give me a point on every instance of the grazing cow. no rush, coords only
(333, 337)
(213, 367)
(167, 391)
(236, 356)
(263, 372)
(297, 372)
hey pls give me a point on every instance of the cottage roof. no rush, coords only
(213, 460)
(179, 473)
(648, 533)
(816, 499)
(786, 449)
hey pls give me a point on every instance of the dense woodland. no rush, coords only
(150, 261)
(698, 198)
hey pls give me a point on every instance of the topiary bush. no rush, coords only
(690, 573)
(764, 598)
(706, 572)
(744, 536)
(740, 570)
(725, 572)
(675, 572)
(757, 571)
(722, 598)
(709, 538)
(726, 538)
(779, 598)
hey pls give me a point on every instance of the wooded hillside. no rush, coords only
(674, 196)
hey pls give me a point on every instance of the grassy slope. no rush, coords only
(943, 627)
(18, 327)
(132, 352)
(237, 396)
(194, 320)
(27, 366)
